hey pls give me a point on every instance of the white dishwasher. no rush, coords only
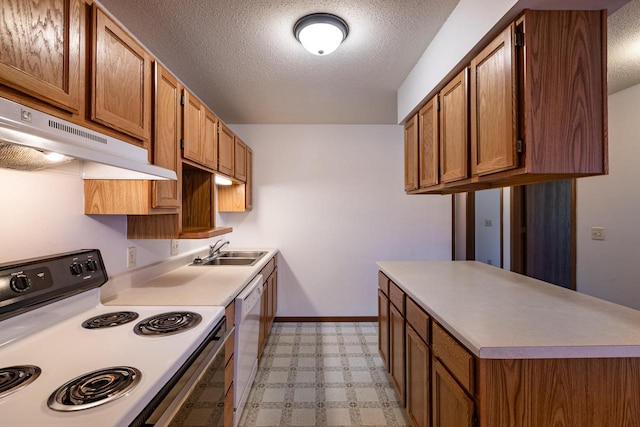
(246, 343)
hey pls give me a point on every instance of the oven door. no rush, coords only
(197, 390)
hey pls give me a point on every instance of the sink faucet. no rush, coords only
(215, 249)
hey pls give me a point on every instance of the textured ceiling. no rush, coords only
(241, 59)
(624, 47)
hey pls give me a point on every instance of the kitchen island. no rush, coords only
(502, 349)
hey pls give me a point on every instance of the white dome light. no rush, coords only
(321, 33)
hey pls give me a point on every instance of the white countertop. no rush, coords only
(187, 284)
(498, 314)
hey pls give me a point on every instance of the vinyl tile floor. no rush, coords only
(322, 374)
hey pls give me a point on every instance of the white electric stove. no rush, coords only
(51, 345)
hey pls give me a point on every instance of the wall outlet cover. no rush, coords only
(597, 233)
(175, 246)
(131, 257)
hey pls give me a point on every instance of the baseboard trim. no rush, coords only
(328, 319)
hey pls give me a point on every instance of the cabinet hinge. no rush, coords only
(519, 146)
(518, 39)
(181, 144)
(181, 99)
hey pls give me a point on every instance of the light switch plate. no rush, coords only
(597, 233)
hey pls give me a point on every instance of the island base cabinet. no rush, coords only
(418, 395)
(452, 407)
(397, 351)
(559, 392)
(383, 327)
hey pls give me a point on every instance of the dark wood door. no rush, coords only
(397, 350)
(418, 385)
(543, 237)
(451, 405)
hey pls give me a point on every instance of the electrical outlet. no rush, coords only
(597, 233)
(175, 245)
(131, 257)
(487, 223)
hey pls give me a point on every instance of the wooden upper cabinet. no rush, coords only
(166, 138)
(226, 150)
(411, 154)
(240, 156)
(41, 50)
(494, 131)
(200, 132)
(210, 142)
(429, 159)
(193, 127)
(454, 157)
(121, 79)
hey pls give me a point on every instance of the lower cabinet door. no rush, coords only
(397, 351)
(383, 327)
(418, 393)
(452, 407)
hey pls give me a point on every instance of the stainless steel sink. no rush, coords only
(229, 261)
(242, 254)
(246, 258)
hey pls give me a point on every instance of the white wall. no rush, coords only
(331, 198)
(42, 214)
(610, 269)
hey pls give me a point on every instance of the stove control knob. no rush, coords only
(76, 269)
(19, 283)
(91, 265)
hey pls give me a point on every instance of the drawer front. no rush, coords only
(418, 319)
(383, 283)
(455, 357)
(396, 296)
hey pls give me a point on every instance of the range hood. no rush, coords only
(29, 139)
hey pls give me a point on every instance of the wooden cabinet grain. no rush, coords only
(428, 144)
(451, 405)
(383, 327)
(454, 142)
(141, 197)
(166, 141)
(494, 131)
(238, 197)
(240, 160)
(41, 51)
(411, 154)
(120, 79)
(537, 106)
(200, 134)
(226, 150)
(397, 351)
(269, 304)
(418, 379)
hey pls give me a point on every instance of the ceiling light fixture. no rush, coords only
(321, 33)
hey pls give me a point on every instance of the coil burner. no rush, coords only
(109, 320)
(94, 389)
(168, 323)
(14, 378)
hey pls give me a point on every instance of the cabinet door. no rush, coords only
(262, 333)
(494, 128)
(193, 134)
(226, 150)
(411, 154)
(383, 327)
(166, 141)
(454, 157)
(40, 50)
(428, 144)
(210, 140)
(397, 350)
(451, 405)
(121, 79)
(240, 154)
(418, 393)
(248, 186)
